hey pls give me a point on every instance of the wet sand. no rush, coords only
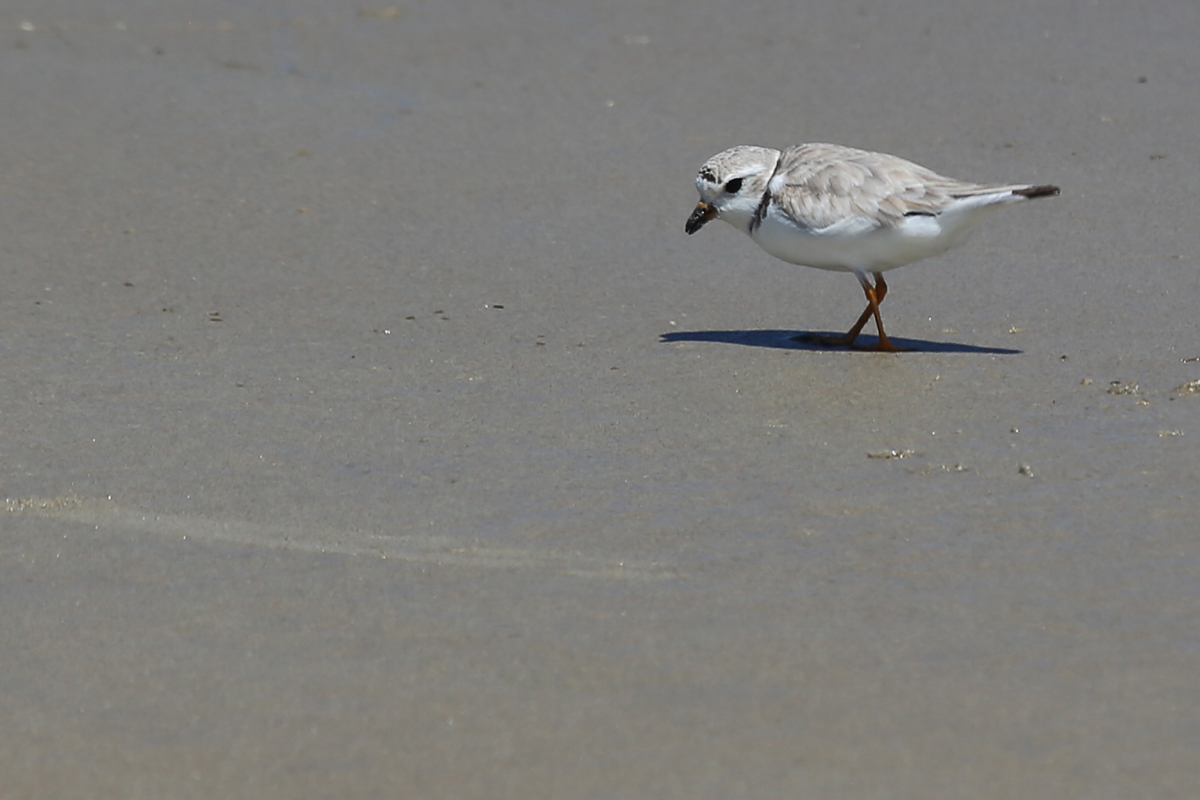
(371, 427)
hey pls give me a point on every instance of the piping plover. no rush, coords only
(838, 208)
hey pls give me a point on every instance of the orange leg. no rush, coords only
(875, 295)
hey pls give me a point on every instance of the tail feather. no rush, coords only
(989, 196)
(1019, 190)
(983, 197)
(1036, 191)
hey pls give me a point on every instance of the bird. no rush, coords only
(839, 208)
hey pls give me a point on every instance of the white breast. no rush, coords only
(859, 242)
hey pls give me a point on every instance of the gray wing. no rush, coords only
(819, 185)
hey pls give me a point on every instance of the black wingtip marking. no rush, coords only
(1037, 191)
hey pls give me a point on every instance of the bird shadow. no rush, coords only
(809, 340)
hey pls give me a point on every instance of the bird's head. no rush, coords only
(731, 185)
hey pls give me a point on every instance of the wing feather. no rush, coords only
(819, 185)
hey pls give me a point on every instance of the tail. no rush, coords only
(984, 196)
(1030, 192)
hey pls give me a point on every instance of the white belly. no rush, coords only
(860, 244)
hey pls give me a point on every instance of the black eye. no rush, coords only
(733, 185)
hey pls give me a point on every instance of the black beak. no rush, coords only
(702, 214)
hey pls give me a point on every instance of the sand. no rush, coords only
(371, 428)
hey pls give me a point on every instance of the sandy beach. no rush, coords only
(371, 427)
